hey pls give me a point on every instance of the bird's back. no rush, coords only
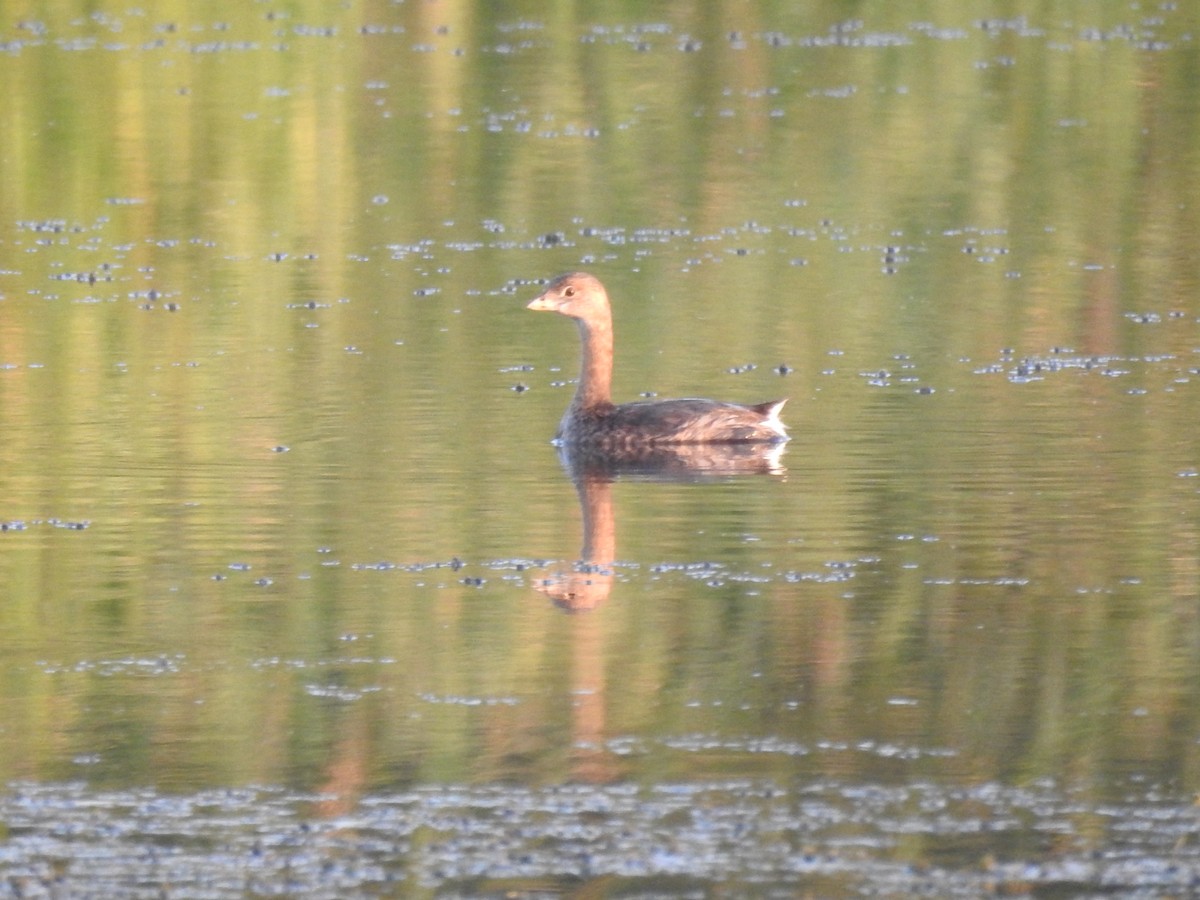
(686, 421)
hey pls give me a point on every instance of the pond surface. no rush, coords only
(298, 598)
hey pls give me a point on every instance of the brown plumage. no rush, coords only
(593, 418)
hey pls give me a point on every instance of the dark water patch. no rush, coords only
(26, 524)
(1060, 360)
(465, 700)
(453, 564)
(781, 747)
(117, 667)
(1001, 581)
(718, 574)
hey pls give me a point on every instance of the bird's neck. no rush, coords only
(595, 377)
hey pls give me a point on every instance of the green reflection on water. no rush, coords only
(262, 287)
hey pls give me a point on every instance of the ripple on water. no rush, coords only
(737, 833)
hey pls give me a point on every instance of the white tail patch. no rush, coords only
(773, 422)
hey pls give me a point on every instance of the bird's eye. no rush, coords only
(569, 292)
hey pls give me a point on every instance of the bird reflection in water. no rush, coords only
(593, 472)
(587, 585)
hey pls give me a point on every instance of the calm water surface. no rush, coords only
(299, 599)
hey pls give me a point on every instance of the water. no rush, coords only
(298, 597)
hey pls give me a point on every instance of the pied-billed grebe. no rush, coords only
(592, 418)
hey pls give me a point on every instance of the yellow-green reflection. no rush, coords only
(262, 319)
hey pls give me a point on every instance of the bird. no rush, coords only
(592, 419)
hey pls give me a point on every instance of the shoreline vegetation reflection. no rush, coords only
(279, 517)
